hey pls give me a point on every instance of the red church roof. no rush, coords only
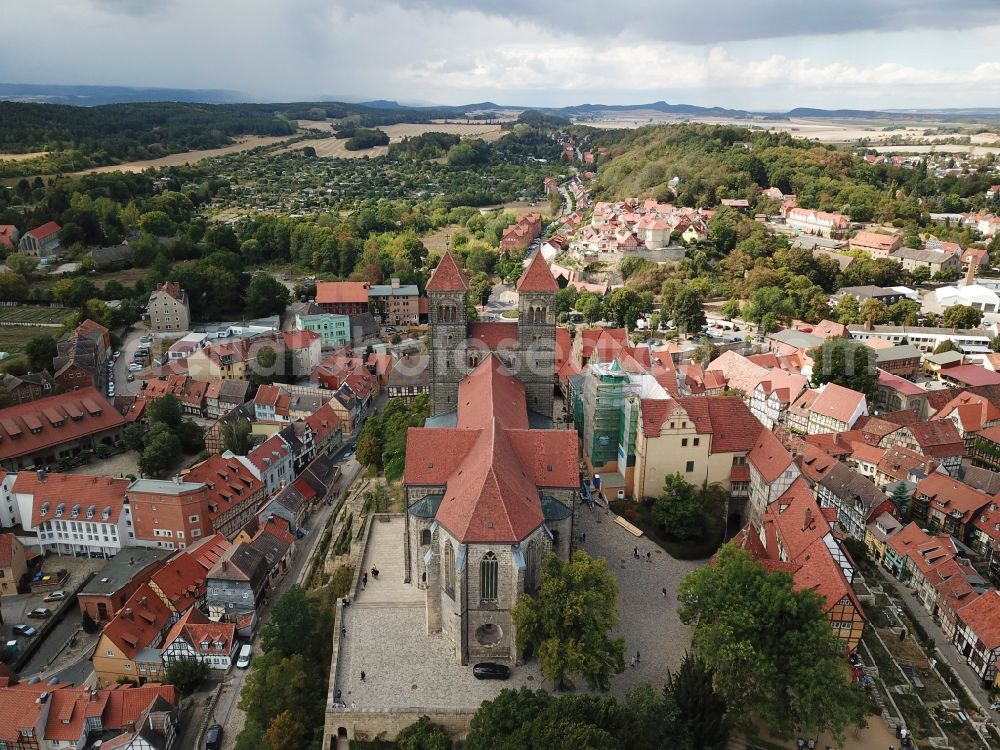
(447, 277)
(537, 277)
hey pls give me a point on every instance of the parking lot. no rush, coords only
(63, 620)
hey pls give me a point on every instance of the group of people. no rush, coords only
(364, 577)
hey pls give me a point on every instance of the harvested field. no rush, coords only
(23, 157)
(333, 147)
(28, 314)
(189, 157)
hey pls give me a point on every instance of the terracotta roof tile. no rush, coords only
(983, 616)
(493, 336)
(838, 402)
(537, 277)
(768, 456)
(138, 623)
(334, 292)
(447, 277)
(89, 496)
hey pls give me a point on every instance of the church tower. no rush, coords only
(447, 290)
(536, 334)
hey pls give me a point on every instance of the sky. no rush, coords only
(749, 54)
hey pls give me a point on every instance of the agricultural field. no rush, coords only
(13, 339)
(245, 143)
(335, 148)
(27, 314)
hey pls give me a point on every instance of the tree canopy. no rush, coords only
(847, 363)
(772, 649)
(568, 626)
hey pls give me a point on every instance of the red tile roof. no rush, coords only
(490, 464)
(971, 375)
(138, 623)
(194, 628)
(982, 615)
(493, 336)
(819, 572)
(537, 277)
(299, 339)
(229, 482)
(951, 496)
(769, 456)
(838, 403)
(91, 494)
(322, 422)
(45, 230)
(939, 439)
(972, 410)
(447, 277)
(67, 417)
(333, 292)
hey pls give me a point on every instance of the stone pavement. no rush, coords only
(648, 620)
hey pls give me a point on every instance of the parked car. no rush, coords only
(40, 613)
(26, 630)
(134, 367)
(55, 596)
(213, 737)
(243, 660)
(488, 670)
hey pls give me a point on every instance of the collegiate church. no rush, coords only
(490, 486)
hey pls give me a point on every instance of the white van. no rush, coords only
(243, 660)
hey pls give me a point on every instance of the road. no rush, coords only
(122, 385)
(53, 643)
(229, 697)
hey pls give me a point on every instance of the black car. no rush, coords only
(487, 670)
(213, 737)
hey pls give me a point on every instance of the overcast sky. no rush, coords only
(754, 54)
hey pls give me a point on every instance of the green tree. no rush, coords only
(947, 346)
(874, 311)
(847, 310)
(479, 287)
(40, 351)
(292, 624)
(266, 296)
(905, 312)
(236, 436)
(161, 449)
(689, 314)
(568, 626)
(423, 734)
(166, 410)
(847, 363)
(962, 316)
(772, 650)
(287, 731)
(157, 223)
(21, 264)
(590, 306)
(731, 309)
(13, 286)
(187, 674)
(624, 306)
(264, 365)
(680, 510)
(700, 722)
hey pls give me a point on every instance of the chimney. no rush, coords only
(807, 522)
(128, 614)
(177, 478)
(144, 602)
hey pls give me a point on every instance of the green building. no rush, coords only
(334, 330)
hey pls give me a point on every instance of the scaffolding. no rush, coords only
(607, 422)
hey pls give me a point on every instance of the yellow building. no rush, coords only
(878, 533)
(129, 646)
(223, 362)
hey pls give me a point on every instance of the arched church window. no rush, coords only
(425, 537)
(449, 570)
(489, 577)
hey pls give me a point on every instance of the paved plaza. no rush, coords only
(405, 668)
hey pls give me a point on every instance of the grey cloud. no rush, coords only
(130, 7)
(700, 22)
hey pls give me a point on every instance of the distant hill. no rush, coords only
(89, 96)
(661, 106)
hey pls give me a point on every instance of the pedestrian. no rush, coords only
(801, 743)
(649, 557)
(362, 675)
(343, 632)
(664, 590)
(635, 551)
(636, 657)
(633, 662)
(811, 744)
(364, 581)
(374, 572)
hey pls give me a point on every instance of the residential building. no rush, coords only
(233, 497)
(772, 397)
(343, 297)
(394, 304)
(875, 245)
(9, 236)
(808, 221)
(772, 471)
(169, 308)
(222, 396)
(189, 393)
(521, 233)
(334, 330)
(272, 462)
(181, 582)
(236, 586)
(903, 361)
(13, 564)
(978, 635)
(925, 339)
(410, 377)
(82, 357)
(878, 533)
(834, 409)
(943, 504)
(933, 260)
(897, 394)
(856, 499)
(41, 242)
(58, 427)
(103, 596)
(971, 414)
(71, 514)
(31, 386)
(129, 646)
(115, 257)
(327, 430)
(194, 636)
(935, 439)
(43, 717)
(864, 293)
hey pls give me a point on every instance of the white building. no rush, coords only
(974, 295)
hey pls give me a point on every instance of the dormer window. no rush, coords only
(59, 509)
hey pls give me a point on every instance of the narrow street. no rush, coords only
(226, 711)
